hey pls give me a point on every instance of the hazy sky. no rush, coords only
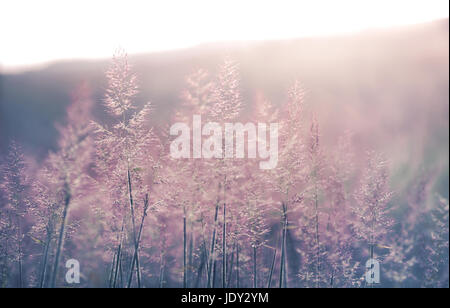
(33, 32)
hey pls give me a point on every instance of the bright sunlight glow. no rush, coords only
(33, 32)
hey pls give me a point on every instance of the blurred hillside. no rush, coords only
(390, 87)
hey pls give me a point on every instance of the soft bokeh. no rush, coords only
(363, 169)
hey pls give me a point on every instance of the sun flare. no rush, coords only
(40, 31)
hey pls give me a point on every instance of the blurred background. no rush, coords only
(377, 68)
